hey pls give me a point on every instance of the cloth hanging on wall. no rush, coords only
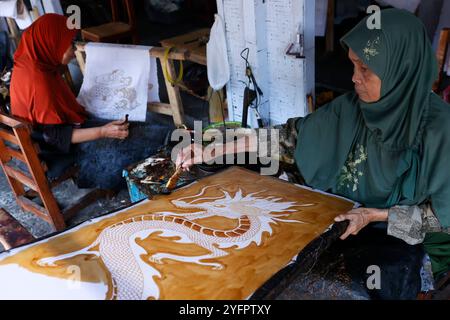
(119, 80)
(217, 57)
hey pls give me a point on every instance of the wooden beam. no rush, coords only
(174, 95)
(34, 166)
(8, 136)
(30, 206)
(329, 36)
(16, 187)
(81, 59)
(15, 154)
(21, 177)
(159, 107)
(174, 54)
(441, 54)
(197, 58)
(14, 31)
(9, 120)
(156, 52)
(34, 13)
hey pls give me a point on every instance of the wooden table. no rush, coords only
(193, 42)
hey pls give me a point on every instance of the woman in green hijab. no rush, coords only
(387, 144)
(392, 147)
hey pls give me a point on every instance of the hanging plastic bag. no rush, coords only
(217, 56)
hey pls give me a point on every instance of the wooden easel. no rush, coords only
(441, 54)
(14, 32)
(175, 106)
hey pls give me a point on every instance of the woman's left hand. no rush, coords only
(359, 218)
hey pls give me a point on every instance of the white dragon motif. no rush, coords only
(133, 278)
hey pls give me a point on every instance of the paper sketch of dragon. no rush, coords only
(133, 278)
(114, 89)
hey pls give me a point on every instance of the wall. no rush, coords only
(267, 27)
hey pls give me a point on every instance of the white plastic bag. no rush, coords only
(217, 56)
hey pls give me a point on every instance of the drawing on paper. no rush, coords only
(220, 238)
(114, 88)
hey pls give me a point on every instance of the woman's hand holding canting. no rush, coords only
(195, 153)
(189, 156)
(115, 130)
(359, 218)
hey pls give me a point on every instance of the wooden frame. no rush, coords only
(14, 32)
(16, 143)
(175, 107)
(329, 36)
(441, 55)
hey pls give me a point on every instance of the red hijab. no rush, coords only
(38, 91)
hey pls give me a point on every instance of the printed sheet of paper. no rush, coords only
(219, 238)
(119, 80)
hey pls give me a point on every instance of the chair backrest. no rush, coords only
(25, 172)
(441, 54)
(128, 5)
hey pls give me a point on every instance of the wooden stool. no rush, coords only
(116, 30)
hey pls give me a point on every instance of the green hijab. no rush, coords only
(395, 151)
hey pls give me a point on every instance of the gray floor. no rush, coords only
(66, 194)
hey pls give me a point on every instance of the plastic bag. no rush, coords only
(217, 56)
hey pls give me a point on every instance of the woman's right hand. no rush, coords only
(189, 156)
(115, 130)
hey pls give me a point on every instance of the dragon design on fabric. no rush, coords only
(114, 88)
(133, 278)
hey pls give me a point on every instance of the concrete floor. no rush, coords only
(66, 194)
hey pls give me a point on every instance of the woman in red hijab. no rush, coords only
(39, 93)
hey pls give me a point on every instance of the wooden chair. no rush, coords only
(27, 185)
(441, 55)
(116, 30)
